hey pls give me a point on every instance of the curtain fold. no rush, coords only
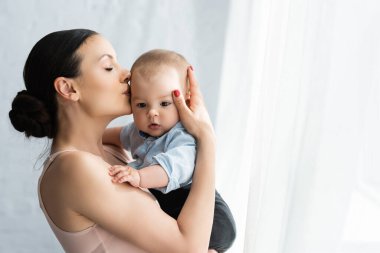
(297, 125)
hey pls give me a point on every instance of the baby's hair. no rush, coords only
(150, 63)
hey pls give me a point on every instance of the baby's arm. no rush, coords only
(173, 168)
(112, 136)
(153, 176)
(178, 160)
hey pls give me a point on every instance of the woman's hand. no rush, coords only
(193, 113)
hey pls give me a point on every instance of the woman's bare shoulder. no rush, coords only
(82, 174)
(77, 163)
(73, 175)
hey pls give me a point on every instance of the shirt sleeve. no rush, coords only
(178, 160)
(126, 136)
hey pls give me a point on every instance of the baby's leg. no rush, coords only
(172, 202)
(223, 228)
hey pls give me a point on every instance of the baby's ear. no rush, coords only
(65, 87)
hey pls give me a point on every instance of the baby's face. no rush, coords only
(153, 109)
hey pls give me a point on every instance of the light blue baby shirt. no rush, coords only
(175, 152)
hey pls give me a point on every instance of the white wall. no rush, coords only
(194, 28)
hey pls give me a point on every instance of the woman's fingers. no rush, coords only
(194, 117)
(180, 103)
(193, 84)
(192, 96)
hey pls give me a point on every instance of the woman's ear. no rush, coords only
(65, 88)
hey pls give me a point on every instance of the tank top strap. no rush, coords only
(50, 159)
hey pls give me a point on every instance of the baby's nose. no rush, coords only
(152, 113)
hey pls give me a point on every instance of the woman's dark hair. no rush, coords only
(34, 110)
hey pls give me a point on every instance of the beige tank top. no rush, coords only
(90, 240)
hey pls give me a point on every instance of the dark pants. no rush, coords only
(223, 228)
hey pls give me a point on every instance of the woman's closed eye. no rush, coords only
(109, 68)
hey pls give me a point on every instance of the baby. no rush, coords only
(163, 150)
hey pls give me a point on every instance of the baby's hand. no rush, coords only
(123, 174)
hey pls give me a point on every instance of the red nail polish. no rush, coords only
(176, 93)
(191, 67)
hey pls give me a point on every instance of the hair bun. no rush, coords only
(29, 115)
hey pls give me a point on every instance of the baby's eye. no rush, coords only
(109, 68)
(165, 103)
(140, 105)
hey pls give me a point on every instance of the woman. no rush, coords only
(74, 88)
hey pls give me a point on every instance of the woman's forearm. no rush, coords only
(196, 217)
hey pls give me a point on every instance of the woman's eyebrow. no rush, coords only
(105, 55)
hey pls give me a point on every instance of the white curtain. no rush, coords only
(298, 125)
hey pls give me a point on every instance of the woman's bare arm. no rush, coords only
(197, 213)
(121, 209)
(132, 214)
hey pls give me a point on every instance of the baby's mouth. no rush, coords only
(154, 126)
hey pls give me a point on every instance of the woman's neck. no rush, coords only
(84, 136)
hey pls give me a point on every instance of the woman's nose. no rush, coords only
(125, 75)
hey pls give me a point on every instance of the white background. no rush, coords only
(292, 86)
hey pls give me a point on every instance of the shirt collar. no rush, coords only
(146, 136)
